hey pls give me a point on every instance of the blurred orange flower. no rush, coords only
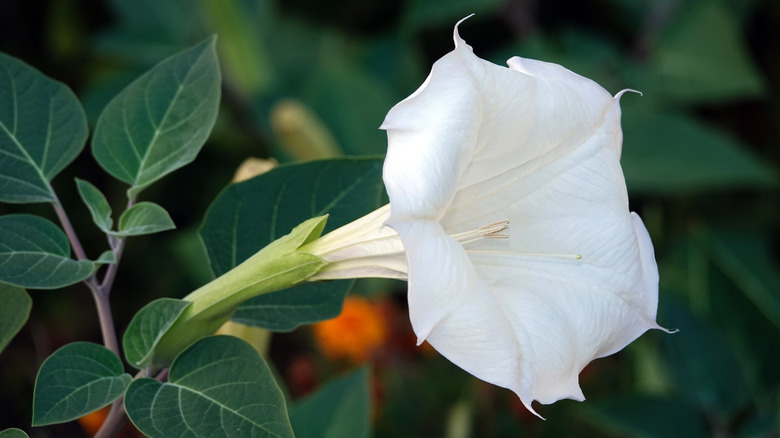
(355, 334)
(91, 422)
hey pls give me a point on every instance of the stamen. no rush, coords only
(494, 231)
(489, 231)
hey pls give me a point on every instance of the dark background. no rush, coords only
(701, 155)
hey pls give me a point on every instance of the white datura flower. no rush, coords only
(509, 214)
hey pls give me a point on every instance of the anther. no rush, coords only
(489, 231)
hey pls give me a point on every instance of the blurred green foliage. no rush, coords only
(701, 156)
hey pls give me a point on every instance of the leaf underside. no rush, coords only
(35, 253)
(285, 310)
(75, 380)
(160, 121)
(218, 387)
(15, 309)
(147, 328)
(342, 408)
(42, 129)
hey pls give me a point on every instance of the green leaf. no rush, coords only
(161, 120)
(13, 433)
(585, 53)
(219, 387)
(147, 327)
(106, 258)
(704, 365)
(15, 309)
(42, 129)
(340, 409)
(96, 203)
(148, 25)
(703, 57)
(75, 380)
(731, 282)
(397, 61)
(35, 253)
(420, 14)
(646, 417)
(144, 218)
(745, 259)
(762, 424)
(249, 215)
(673, 154)
(243, 55)
(285, 310)
(363, 101)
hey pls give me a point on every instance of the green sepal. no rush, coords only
(277, 266)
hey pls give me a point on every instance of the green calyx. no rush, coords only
(278, 266)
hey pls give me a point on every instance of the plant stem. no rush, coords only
(100, 290)
(115, 420)
(69, 231)
(117, 416)
(108, 279)
(162, 376)
(106, 318)
(118, 246)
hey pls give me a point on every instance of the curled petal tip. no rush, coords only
(516, 63)
(627, 90)
(530, 408)
(455, 35)
(422, 334)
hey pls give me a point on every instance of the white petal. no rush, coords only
(575, 205)
(538, 146)
(526, 323)
(564, 313)
(441, 276)
(473, 118)
(431, 136)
